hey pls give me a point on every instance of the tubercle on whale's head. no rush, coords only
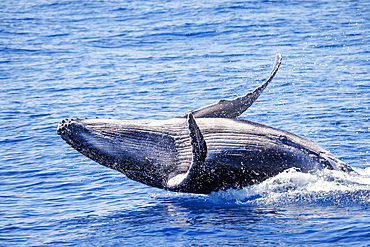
(67, 129)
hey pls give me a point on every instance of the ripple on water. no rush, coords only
(154, 59)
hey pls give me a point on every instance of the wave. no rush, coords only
(292, 186)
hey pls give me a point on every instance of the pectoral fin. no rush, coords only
(235, 107)
(199, 149)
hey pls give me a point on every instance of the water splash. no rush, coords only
(293, 186)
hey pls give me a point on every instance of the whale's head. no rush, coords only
(89, 138)
(145, 150)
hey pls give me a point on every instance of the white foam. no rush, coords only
(294, 186)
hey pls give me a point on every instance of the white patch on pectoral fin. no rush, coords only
(199, 150)
(177, 180)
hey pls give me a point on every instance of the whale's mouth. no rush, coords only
(143, 150)
(85, 141)
(91, 137)
(81, 138)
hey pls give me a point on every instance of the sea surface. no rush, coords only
(156, 59)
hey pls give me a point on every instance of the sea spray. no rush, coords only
(293, 186)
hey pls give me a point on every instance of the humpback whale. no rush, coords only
(205, 150)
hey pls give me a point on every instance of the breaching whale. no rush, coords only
(205, 150)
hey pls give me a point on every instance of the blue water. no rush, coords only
(159, 59)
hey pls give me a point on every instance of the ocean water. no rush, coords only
(159, 59)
